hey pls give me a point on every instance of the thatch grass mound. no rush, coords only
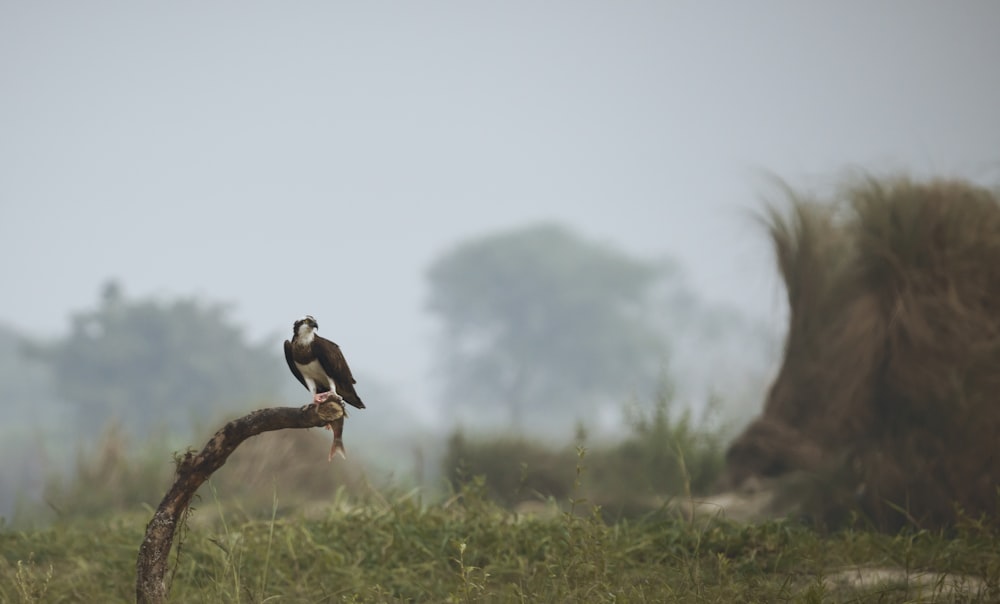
(889, 394)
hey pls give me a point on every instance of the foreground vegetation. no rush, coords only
(468, 549)
(520, 521)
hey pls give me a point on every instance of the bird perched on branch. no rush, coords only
(320, 366)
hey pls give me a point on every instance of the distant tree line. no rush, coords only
(150, 363)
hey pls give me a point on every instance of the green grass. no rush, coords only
(259, 535)
(361, 544)
(469, 549)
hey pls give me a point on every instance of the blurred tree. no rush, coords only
(23, 382)
(27, 406)
(539, 317)
(146, 362)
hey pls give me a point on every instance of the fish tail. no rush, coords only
(337, 448)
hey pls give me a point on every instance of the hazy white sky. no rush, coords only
(314, 157)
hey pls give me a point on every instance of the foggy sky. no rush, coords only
(315, 157)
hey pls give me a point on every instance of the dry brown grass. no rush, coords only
(892, 356)
(119, 476)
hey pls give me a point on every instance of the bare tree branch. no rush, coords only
(193, 470)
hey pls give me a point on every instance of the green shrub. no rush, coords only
(664, 455)
(514, 468)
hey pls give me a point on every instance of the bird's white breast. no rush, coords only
(313, 371)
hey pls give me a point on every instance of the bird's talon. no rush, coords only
(323, 397)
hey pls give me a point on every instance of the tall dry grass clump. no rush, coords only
(890, 386)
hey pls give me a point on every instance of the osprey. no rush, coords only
(320, 366)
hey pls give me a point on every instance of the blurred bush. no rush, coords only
(666, 454)
(118, 476)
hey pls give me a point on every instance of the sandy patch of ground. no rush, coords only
(923, 586)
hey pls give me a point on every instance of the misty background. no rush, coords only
(320, 158)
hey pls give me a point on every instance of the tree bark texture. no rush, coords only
(193, 470)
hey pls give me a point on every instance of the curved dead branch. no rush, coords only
(193, 470)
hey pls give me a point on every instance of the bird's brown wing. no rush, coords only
(336, 367)
(291, 364)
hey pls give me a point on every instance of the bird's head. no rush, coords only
(305, 326)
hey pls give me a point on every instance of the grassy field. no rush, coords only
(468, 549)
(270, 528)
